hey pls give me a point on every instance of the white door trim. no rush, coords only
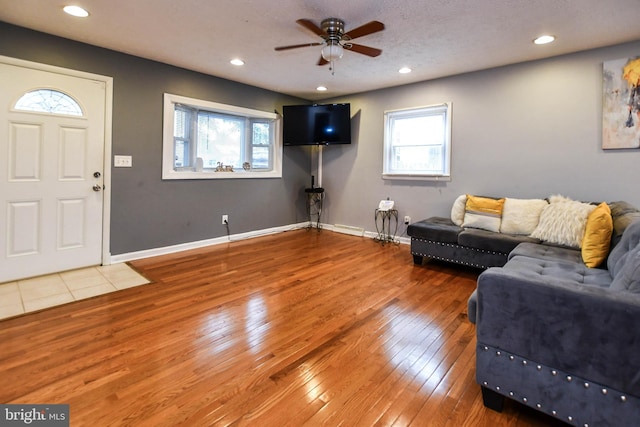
(108, 108)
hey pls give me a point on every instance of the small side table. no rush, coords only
(315, 197)
(386, 221)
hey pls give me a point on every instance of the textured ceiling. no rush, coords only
(435, 38)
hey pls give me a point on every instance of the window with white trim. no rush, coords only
(417, 143)
(207, 140)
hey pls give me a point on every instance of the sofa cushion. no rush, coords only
(435, 228)
(548, 252)
(483, 212)
(488, 240)
(549, 271)
(623, 214)
(521, 216)
(563, 222)
(628, 278)
(597, 236)
(618, 255)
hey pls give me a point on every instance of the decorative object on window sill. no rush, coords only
(246, 166)
(335, 40)
(224, 168)
(621, 103)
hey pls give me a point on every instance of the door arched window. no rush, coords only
(49, 101)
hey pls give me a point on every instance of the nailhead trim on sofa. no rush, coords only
(529, 395)
(420, 247)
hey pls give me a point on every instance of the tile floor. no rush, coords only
(24, 296)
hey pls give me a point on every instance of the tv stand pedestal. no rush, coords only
(315, 197)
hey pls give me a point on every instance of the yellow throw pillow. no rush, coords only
(483, 212)
(597, 236)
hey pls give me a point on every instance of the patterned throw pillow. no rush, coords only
(563, 222)
(483, 212)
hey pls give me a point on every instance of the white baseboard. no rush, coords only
(358, 231)
(338, 228)
(401, 240)
(131, 256)
(348, 229)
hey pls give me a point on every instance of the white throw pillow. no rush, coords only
(521, 216)
(563, 222)
(457, 210)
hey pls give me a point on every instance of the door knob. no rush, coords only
(96, 174)
(97, 187)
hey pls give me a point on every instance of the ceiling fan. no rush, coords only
(335, 40)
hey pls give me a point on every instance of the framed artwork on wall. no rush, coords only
(621, 104)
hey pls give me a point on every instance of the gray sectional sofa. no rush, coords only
(552, 333)
(560, 337)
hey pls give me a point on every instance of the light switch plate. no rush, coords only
(122, 161)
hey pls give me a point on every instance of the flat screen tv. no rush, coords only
(316, 124)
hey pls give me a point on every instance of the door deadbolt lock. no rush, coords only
(97, 187)
(96, 174)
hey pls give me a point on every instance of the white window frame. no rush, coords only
(444, 174)
(168, 150)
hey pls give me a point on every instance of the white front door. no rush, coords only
(52, 139)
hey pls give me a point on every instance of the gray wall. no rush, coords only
(528, 131)
(150, 213)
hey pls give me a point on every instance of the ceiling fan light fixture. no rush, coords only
(332, 51)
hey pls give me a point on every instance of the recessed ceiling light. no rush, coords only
(237, 61)
(544, 39)
(321, 88)
(76, 11)
(404, 70)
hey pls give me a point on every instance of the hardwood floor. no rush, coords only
(299, 328)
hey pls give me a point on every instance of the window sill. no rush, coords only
(219, 175)
(416, 177)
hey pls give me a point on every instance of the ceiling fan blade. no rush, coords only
(312, 27)
(363, 30)
(322, 61)
(295, 46)
(365, 50)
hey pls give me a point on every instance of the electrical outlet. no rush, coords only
(407, 219)
(225, 219)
